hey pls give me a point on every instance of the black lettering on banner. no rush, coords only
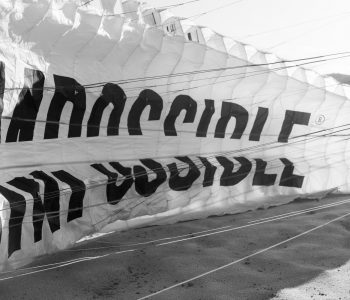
(66, 89)
(259, 124)
(229, 110)
(24, 116)
(260, 177)
(126, 173)
(181, 102)
(2, 90)
(32, 187)
(115, 192)
(289, 179)
(51, 204)
(144, 187)
(2, 81)
(204, 122)
(291, 118)
(229, 178)
(179, 183)
(146, 97)
(111, 93)
(18, 209)
(209, 172)
(76, 200)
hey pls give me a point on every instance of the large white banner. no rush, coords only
(108, 123)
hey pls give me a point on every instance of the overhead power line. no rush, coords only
(306, 32)
(303, 61)
(214, 9)
(161, 7)
(245, 151)
(292, 26)
(86, 3)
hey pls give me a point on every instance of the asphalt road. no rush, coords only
(257, 256)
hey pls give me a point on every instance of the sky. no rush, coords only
(290, 29)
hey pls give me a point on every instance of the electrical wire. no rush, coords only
(291, 26)
(252, 223)
(302, 34)
(266, 146)
(214, 9)
(261, 251)
(94, 205)
(319, 58)
(136, 11)
(245, 151)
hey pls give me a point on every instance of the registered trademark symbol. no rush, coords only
(320, 119)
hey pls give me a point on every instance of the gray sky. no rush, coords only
(325, 26)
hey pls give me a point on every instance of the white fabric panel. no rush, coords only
(251, 131)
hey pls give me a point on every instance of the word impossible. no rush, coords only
(146, 178)
(24, 117)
